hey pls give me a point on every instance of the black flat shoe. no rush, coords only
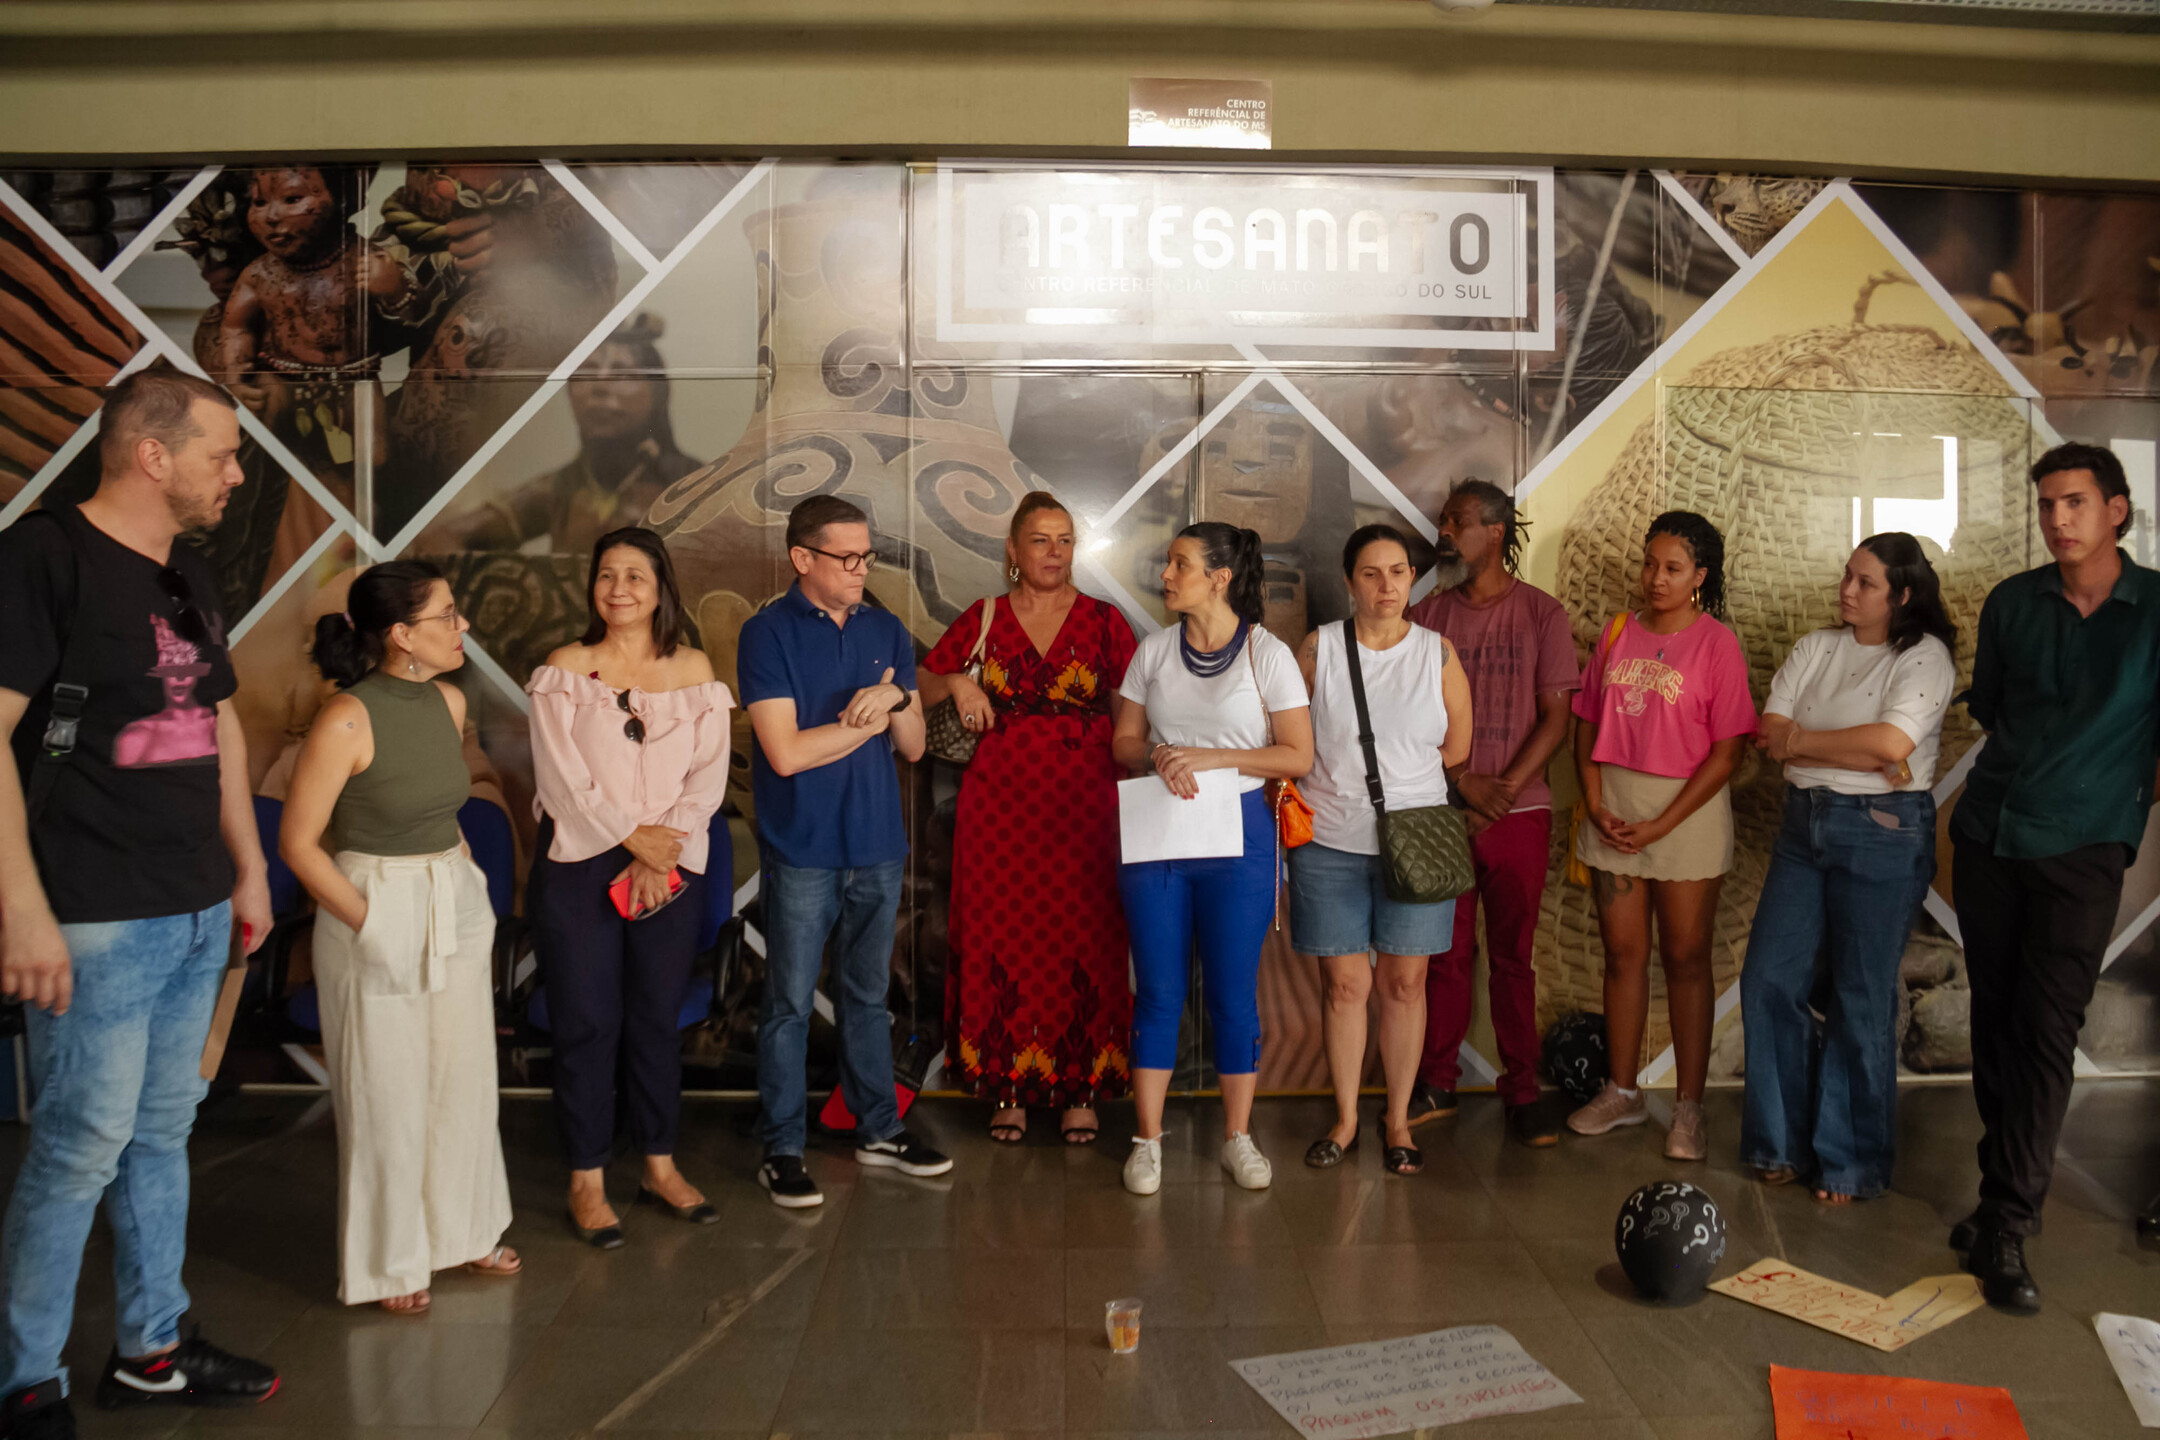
(700, 1213)
(1402, 1159)
(1325, 1154)
(605, 1237)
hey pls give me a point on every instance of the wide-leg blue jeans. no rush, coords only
(1846, 877)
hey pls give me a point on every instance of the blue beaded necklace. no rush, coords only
(1207, 664)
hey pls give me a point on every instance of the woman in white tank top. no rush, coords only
(1419, 700)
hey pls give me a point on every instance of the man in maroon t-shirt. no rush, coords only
(1514, 643)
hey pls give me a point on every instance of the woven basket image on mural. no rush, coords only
(1794, 448)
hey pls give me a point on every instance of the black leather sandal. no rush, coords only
(1403, 1159)
(1325, 1154)
(600, 1237)
(699, 1212)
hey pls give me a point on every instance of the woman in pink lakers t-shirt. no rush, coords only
(1660, 719)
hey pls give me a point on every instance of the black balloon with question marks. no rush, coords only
(1670, 1238)
(1574, 1055)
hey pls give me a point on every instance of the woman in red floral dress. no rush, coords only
(1038, 1009)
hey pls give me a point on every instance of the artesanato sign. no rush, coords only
(1411, 259)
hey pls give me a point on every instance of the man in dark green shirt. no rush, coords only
(2066, 681)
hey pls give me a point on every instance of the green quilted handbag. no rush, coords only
(1425, 852)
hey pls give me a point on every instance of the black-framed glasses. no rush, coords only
(188, 618)
(862, 563)
(632, 727)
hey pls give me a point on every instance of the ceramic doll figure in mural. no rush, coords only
(293, 335)
(214, 234)
(1037, 1004)
(626, 456)
(503, 273)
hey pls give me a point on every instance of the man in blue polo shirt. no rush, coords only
(830, 686)
(2066, 681)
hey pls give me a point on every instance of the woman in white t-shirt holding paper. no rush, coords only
(1214, 692)
(1855, 714)
(1418, 699)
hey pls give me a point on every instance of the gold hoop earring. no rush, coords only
(1696, 598)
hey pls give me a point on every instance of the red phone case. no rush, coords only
(619, 892)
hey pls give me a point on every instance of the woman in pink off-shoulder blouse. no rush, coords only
(630, 749)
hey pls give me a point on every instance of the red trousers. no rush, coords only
(1510, 859)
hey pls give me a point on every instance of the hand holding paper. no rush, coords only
(1154, 824)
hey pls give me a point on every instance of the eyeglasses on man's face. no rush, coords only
(861, 563)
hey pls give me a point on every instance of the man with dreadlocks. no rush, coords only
(1515, 647)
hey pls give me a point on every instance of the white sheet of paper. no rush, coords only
(1154, 824)
(2134, 1347)
(1418, 1382)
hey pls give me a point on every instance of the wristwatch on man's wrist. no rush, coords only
(905, 697)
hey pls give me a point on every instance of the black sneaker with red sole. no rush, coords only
(195, 1372)
(37, 1412)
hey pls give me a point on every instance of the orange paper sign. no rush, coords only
(1817, 1405)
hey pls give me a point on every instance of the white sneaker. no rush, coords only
(1245, 1163)
(1143, 1168)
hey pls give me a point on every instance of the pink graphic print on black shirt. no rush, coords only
(184, 732)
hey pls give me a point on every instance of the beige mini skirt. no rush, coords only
(1701, 848)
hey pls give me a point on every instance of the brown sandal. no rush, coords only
(1777, 1175)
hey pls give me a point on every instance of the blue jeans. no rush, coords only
(1222, 907)
(855, 909)
(115, 1083)
(1845, 878)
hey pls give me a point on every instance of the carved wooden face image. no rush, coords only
(1256, 472)
(1255, 469)
(294, 213)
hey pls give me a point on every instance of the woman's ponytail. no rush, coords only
(341, 652)
(1227, 547)
(347, 646)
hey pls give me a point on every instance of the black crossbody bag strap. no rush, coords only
(69, 694)
(1364, 717)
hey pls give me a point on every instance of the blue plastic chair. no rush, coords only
(494, 850)
(284, 885)
(719, 909)
(287, 913)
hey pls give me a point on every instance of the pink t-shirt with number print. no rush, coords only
(1661, 701)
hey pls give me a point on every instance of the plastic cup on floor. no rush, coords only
(1121, 1318)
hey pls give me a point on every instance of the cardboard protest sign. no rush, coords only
(1887, 1323)
(1819, 1405)
(2133, 1347)
(1415, 1383)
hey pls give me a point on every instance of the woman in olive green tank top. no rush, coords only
(403, 938)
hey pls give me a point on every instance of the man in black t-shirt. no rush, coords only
(128, 856)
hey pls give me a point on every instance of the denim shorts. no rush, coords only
(1339, 906)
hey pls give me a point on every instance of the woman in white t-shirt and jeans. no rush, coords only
(1206, 694)
(1419, 700)
(1856, 715)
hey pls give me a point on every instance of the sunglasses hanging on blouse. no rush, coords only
(632, 727)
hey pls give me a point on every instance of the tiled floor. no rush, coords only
(971, 1305)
